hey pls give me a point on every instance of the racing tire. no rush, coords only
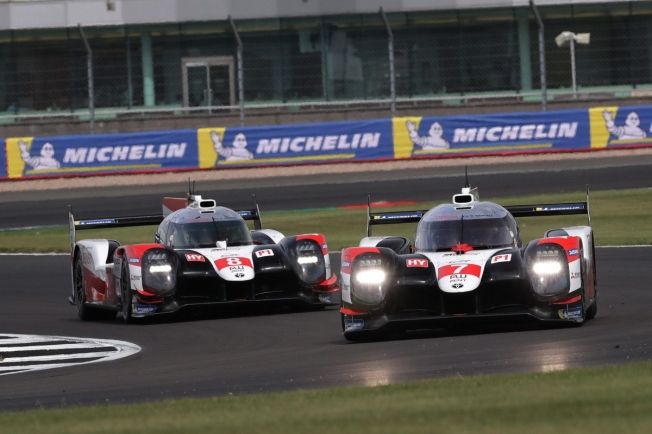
(592, 311)
(126, 306)
(85, 312)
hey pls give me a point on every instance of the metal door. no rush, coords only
(208, 81)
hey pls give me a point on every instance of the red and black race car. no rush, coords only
(467, 261)
(202, 254)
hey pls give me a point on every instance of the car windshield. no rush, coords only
(207, 233)
(488, 233)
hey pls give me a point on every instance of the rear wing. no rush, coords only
(538, 210)
(74, 225)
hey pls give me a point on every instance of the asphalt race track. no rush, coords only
(212, 352)
(278, 349)
(330, 190)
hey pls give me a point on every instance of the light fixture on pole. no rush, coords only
(571, 38)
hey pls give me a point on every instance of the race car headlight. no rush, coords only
(548, 269)
(370, 277)
(368, 280)
(310, 261)
(159, 271)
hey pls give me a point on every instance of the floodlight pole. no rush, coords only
(91, 82)
(240, 73)
(573, 69)
(542, 58)
(390, 49)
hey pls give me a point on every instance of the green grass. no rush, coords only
(618, 217)
(593, 400)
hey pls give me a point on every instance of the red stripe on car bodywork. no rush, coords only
(349, 311)
(329, 285)
(570, 300)
(447, 270)
(233, 261)
(320, 239)
(349, 254)
(570, 244)
(94, 287)
(175, 203)
(136, 251)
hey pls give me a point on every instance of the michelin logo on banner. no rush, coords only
(55, 156)
(620, 126)
(416, 136)
(339, 141)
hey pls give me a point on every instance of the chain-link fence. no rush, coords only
(322, 60)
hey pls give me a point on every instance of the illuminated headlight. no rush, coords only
(369, 280)
(159, 273)
(546, 267)
(370, 277)
(302, 260)
(166, 268)
(310, 261)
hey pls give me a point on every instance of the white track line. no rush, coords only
(115, 350)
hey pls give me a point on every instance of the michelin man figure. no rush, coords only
(238, 152)
(45, 161)
(630, 130)
(434, 139)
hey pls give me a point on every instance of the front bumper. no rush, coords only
(356, 322)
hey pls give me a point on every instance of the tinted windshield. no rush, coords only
(480, 233)
(207, 234)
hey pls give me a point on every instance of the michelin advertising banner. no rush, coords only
(101, 153)
(621, 126)
(521, 132)
(381, 139)
(3, 160)
(336, 141)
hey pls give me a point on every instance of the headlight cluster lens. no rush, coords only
(159, 271)
(310, 260)
(548, 269)
(369, 277)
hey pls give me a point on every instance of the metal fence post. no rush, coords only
(240, 74)
(542, 58)
(390, 49)
(91, 82)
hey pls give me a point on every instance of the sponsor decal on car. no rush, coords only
(97, 222)
(144, 309)
(195, 257)
(264, 252)
(572, 252)
(571, 313)
(458, 271)
(234, 263)
(501, 258)
(352, 324)
(416, 263)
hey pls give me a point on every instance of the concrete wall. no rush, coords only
(36, 14)
(136, 123)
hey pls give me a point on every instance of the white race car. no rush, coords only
(202, 254)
